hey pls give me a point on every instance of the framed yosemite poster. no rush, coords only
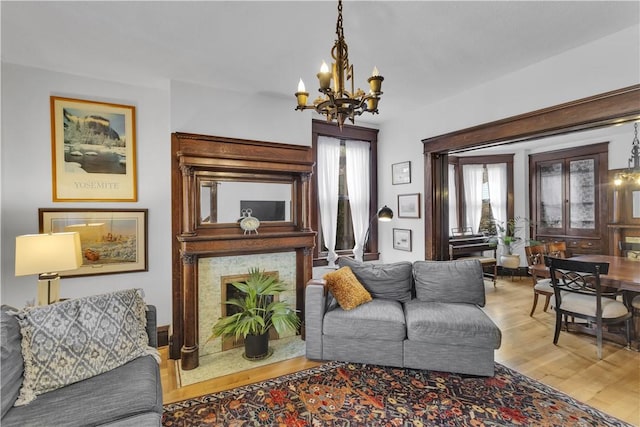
(93, 151)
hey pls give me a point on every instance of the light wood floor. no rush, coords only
(611, 384)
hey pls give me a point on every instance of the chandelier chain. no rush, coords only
(339, 30)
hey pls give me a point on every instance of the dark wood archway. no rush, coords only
(597, 111)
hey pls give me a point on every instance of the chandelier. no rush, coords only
(632, 173)
(337, 103)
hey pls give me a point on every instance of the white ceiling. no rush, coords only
(426, 50)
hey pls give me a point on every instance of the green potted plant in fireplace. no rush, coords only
(256, 311)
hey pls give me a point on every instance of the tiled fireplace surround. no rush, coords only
(211, 270)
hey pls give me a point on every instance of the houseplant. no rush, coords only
(510, 238)
(257, 311)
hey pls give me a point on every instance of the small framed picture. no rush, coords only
(112, 240)
(402, 239)
(409, 205)
(401, 173)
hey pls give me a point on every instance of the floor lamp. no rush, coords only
(45, 255)
(384, 214)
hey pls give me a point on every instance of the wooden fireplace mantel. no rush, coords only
(245, 244)
(198, 159)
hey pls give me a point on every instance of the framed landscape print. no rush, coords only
(113, 240)
(401, 173)
(409, 205)
(93, 151)
(402, 239)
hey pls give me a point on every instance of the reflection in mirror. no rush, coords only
(223, 201)
(636, 204)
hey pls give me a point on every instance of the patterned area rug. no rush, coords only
(342, 394)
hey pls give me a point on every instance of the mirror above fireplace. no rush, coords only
(223, 200)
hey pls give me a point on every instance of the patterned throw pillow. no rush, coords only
(73, 340)
(346, 288)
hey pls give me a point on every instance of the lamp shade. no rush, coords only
(47, 253)
(385, 213)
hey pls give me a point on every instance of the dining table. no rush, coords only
(624, 273)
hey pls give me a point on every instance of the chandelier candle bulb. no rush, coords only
(324, 77)
(301, 94)
(375, 81)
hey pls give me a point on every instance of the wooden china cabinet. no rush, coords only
(569, 198)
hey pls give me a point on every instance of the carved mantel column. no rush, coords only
(190, 348)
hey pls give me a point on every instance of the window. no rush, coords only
(480, 191)
(323, 132)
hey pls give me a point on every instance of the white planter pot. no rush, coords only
(510, 261)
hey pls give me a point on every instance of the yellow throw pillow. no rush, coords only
(346, 288)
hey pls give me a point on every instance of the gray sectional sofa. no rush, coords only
(423, 315)
(129, 395)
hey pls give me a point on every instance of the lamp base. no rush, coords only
(48, 290)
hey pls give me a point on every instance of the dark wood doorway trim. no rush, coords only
(615, 107)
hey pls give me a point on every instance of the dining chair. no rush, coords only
(557, 249)
(578, 293)
(629, 250)
(541, 284)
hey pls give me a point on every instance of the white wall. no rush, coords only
(26, 178)
(604, 65)
(607, 64)
(221, 112)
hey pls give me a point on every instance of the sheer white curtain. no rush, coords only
(328, 174)
(497, 175)
(472, 178)
(453, 200)
(357, 157)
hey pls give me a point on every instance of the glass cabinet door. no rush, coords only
(568, 197)
(582, 194)
(551, 195)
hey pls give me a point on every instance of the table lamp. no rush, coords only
(46, 255)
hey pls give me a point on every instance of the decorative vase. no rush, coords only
(256, 347)
(510, 261)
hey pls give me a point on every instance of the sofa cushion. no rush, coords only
(390, 281)
(73, 340)
(451, 323)
(346, 288)
(128, 391)
(379, 319)
(11, 365)
(449, 281)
